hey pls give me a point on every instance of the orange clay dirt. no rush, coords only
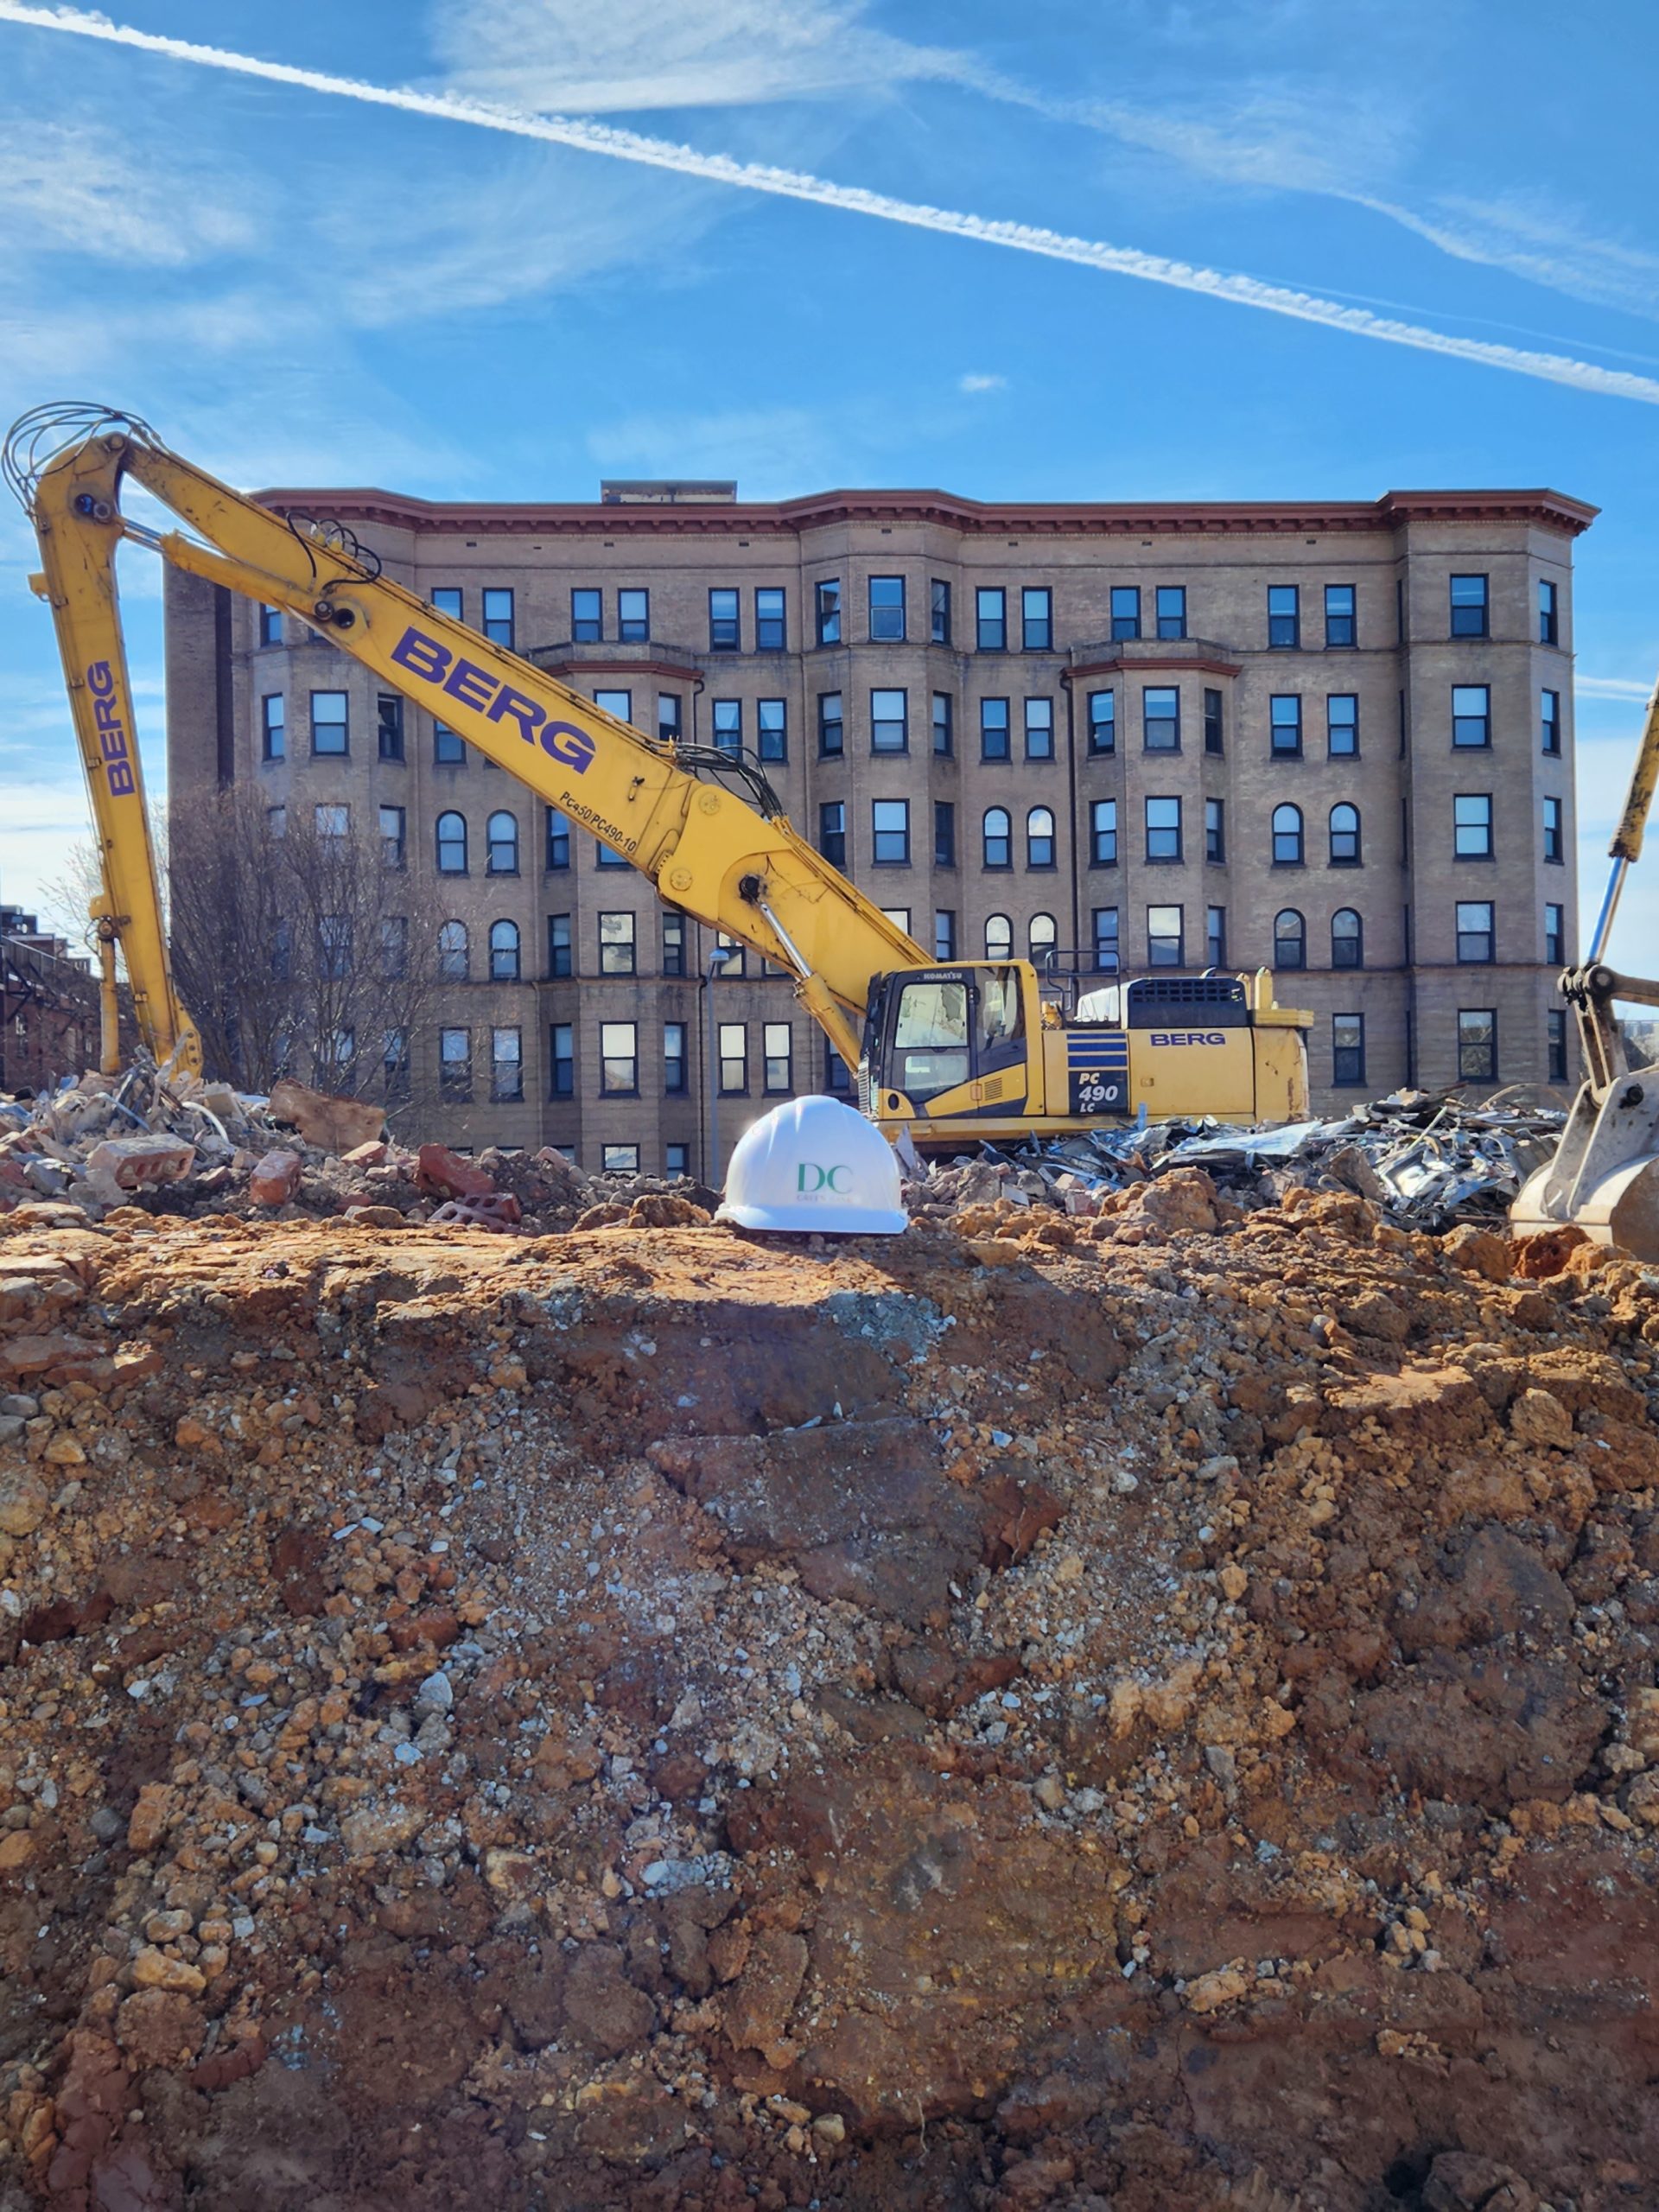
(1155, 1714)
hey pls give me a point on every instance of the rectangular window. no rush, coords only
(826, 603)
(1215, 841)
(558, 839)
(1164, 937)
(944, 933)
(729, 725)
(1037, 619)
(270, 625)
(331, 820)
(1163, 829)
(1469, 607)
(455, 1065)
(328, 725)
(722, 622)
(1400, 609)
(1475, 930)
(620, 1159)
(1555, 935)
(1548, 620)
(1477, 1045)
(276, 821)
(734, 1056)
(771, 634)
(889, 721)
(944, 727)
(604, 857)
(1102, 833)
(449, 751)
(1102, 722)
(447, 599)
(900, 916)
(392, 835)
(616, 945)
(394, 947)
(1472, 825)
(1126, 611)
(832, 832)
(334, 946)
(991, 618)
(944, 833)
(1106, 939)
(1040, 729)
(1555, 1042)
(890, 830)
(670, 717)
(1172, 610)
(618, 1059)
(587, 618)
(273, 721)
(620, 703)
(1342, 725)
(1160, 708)
(559, 945)
(831, 735)
(1472, 714)
(886, 610)
(633, 617)
(506, 1064)
(394, 1062)
(677, 1159)
(778, 1052)
(389, 717)
(1554, 847)
(673, 1057)
(1212, 722)
(993, 729)
(1285, 721)
(1284, 614)
(1339, 616)
(1550, 719)
(837, 1076)
(498, 617)
(673, 942)
(1215, 936)
(1347, 1048)
(734, 960)
(772, 734)
(939, 597)
(562, 1059)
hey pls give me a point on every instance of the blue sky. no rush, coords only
(299, 286)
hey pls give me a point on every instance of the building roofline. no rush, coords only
(1548, 508)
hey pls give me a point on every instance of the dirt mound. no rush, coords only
(1152, 1711)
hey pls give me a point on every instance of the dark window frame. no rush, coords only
(1285, 623)
(984, 623)
(1338, 619)
(1172, 624)
(1470, 617)
(1036, 634)
(886, 621)
(725, 630)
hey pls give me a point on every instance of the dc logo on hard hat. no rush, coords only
(815, 1165)
(811, 1177)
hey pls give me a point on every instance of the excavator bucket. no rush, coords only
(1604, 1176)
(1622, 1208)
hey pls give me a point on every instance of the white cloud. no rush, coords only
(78, 190)
(978, 380)
(1613, 687)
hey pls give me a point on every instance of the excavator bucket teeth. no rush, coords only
(1623, 1209)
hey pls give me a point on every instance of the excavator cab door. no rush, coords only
(944, 1042)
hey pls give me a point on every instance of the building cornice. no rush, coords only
(1542, 508)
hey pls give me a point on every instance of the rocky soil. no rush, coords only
(1156, 1713)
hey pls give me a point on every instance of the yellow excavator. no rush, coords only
(947, 1051)
(1604, 1176)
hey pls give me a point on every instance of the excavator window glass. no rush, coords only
(1002, 1011)
(930, 1040)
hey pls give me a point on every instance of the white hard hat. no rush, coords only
(813, 1164)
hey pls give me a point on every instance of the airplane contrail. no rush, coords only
(853, 200)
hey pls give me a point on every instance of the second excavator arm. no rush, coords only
(729, 858)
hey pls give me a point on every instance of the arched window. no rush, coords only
(452, 952)
(503, 837)
(999, 938)
(1347, 939)
(1344, 836)
(1042, 938)
(452, 844)
(504, 952)
(1039, 838)
(999, 837)
(1287, 836)
(1289, 939)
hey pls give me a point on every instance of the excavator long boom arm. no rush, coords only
(731, 859)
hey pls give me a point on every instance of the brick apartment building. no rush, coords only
(1334, 739)
(48, 1005)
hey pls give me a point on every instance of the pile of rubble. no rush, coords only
(186, 1147)
(1428, 1161)
(1155, 1712)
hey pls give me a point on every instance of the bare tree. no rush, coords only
(301, 947)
